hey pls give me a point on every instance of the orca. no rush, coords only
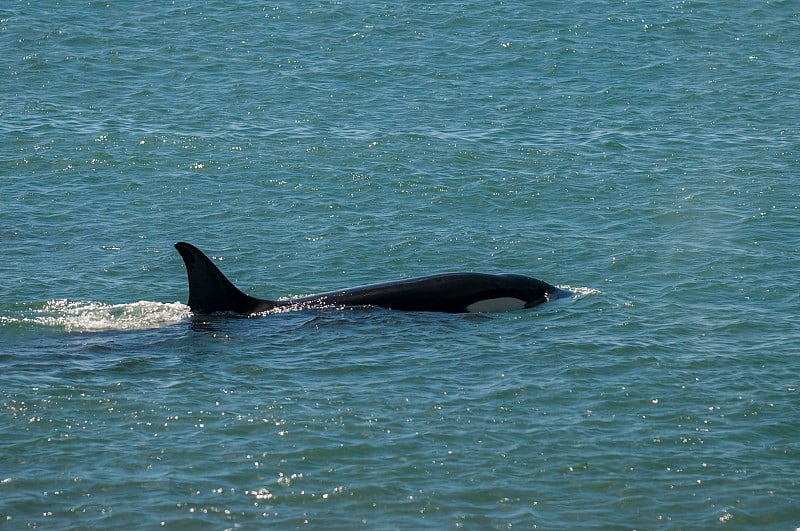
(211, 292)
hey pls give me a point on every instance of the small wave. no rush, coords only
(87, 316)
(579, 292)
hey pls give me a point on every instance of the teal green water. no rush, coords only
(644, 154)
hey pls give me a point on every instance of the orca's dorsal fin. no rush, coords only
(210, 291)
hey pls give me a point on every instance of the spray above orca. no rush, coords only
(211, 292)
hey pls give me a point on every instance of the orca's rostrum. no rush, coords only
(211, 292)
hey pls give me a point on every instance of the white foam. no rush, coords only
(87, 316)
(579, 292)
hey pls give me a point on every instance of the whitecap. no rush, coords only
(89, 316)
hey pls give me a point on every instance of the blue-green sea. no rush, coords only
(644, 155)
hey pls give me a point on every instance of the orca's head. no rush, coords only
(534, 291)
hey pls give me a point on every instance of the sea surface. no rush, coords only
(644, 155)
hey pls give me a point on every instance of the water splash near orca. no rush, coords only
(89, 316)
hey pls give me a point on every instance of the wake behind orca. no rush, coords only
(211, 292)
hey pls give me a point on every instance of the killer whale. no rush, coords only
(211, 292)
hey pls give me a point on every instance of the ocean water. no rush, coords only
(643, 154)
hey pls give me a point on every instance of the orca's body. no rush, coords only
(210, 292)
